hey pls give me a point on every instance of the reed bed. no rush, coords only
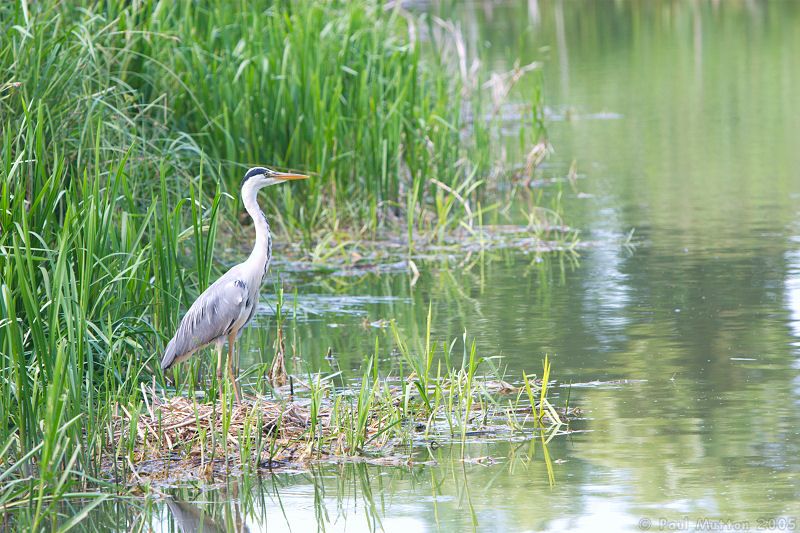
(398, 125)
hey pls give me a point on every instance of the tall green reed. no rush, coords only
(387, 121)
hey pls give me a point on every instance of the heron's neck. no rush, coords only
(262, 250)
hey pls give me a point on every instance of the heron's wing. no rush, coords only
(211, 316)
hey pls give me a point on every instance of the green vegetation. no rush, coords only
(384, 119)
(124, 125)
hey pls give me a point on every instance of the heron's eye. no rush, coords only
(256, 172)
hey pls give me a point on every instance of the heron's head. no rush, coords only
(259, 177)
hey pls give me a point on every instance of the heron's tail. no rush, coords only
(169, 355)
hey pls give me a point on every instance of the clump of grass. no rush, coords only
(378, 417)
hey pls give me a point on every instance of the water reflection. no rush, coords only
(793, 291)
(190, 518)
(793, 305)
(457, 494)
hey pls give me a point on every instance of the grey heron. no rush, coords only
(221, 312)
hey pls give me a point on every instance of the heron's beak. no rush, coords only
(286, 176)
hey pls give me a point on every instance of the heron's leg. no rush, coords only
(231, 342)
(219, 368)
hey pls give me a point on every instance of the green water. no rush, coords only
(682, 118)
